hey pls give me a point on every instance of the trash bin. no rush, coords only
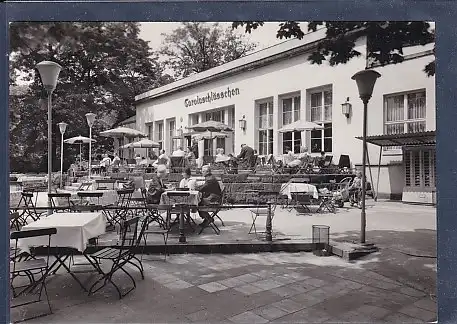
(321, 234)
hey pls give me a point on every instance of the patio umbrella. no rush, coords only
(79, 140)
(209, 135)
(211, 126)
(144, 143)
(123, 132)
(300, 125)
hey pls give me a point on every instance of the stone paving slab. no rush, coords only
(256, 288)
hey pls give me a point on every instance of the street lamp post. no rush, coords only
(62, 127)
(49, 73)
(90, 121)
(365, 80)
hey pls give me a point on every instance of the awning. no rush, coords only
(407, 139)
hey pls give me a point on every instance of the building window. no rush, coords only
(150, 132)
(194, 119)
(171, 134)
(220, 143)
(218, 116)
(320, 112)
(321, 140)
(420, 168)
(265, 127)
(290, 110)
(404, 113)
(159, 134)
(291, 140)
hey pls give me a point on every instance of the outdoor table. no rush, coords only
(192, 200)
(108, 196)
(288, 188)
(74, 230)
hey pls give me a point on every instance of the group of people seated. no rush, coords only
(210, 190)
(303, 159)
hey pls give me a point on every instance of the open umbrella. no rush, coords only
(79, 140)
(123, 132)
(209, 135)
(144, 143)
(211, 126)
(300, 125)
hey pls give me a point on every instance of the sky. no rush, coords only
(264, 36)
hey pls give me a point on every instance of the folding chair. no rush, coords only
(213, 211)
(152, 213)
(121, 208)
(60, 197)
(27, 267)
(15, 221)
(263, 197)
(119, 257)
(160, 231)
(176, 164)
(29, 207)
(301, 200)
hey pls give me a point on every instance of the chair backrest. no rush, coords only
(129, 226)
(177, 161)
(92, 194)
(344, 161)
(33, 233)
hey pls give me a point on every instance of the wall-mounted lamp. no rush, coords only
(346, 108)
(242, 122)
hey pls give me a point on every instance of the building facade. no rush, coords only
(277, 86)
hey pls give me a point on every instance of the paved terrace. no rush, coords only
(397, 284)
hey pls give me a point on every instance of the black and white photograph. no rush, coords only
(222, 172)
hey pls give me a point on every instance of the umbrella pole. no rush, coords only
(80, 156)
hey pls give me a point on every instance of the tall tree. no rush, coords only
(104, 66)
(385, 39)
(196, 47)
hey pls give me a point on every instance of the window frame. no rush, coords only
(405, 121)
(269, 144)
(409, 160)
(295, 113)
(324, 120)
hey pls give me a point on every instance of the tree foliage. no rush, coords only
(104, 66)
(196, 47)
(385, 39)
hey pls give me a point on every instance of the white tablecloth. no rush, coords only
(73, 230)
(288, 188)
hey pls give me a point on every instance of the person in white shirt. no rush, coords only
(138, 159)
(105, 163)
(163, 159)
(179, 152)
(116, 160)
(185, 182)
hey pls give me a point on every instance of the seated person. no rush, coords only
(185, 180)
(301, 159)
(138, 159)
(221, 157)
(156, 187)
(143, 161)
(210, 190)
(105, 163)
(320, 161)
(179, 152)
(289, 156)
(356, 184)
(163, 159)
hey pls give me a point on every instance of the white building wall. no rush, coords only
(296, 74)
